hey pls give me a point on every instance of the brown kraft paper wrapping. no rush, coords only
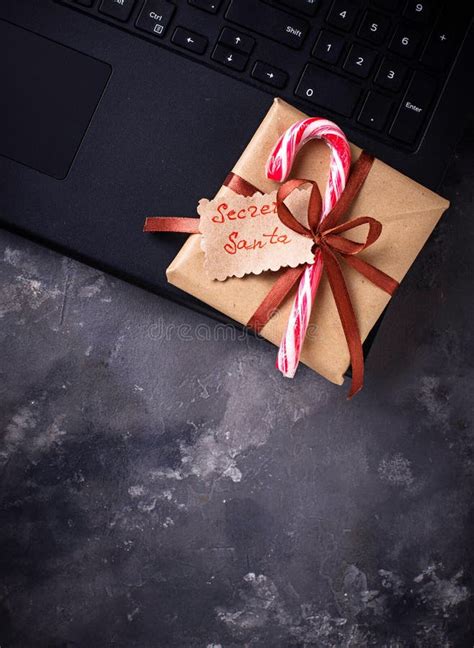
(407, 211)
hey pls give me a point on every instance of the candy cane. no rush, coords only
(278, 167)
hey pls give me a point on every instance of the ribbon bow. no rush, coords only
(326, 235)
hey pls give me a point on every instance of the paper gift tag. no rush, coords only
(243, 235)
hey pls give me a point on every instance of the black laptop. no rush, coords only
(113, 110)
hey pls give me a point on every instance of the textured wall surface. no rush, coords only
(163, 487)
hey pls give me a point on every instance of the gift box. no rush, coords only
(407, 211)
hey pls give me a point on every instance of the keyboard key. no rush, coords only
(230, 58)
(155, 16)
(388, 5)
(268, 21)
(84, 3)
(308, 7)
(120, 10)
(375, 111)
(391, 75)
(420, 11)
(360, 61)
(374, 27)
(342, 14)
(329, 47)
(211, 6)
(413, 110)
(189, 40)
(405, 41)
(444, 41)
(236, 40)
(269, 74)
(328, 90)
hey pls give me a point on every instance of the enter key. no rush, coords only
(414, 108)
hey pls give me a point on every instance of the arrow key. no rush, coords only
(269, 74)
(236, 40)
(230, 58)
(189, 40)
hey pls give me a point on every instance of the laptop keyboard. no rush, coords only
(377, 65)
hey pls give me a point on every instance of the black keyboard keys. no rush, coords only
(329, 47)
(211, 6)
(414, 108)
(360, 61)
(405, 41)
(375, 111)
(328, 90)
(189, 40)
(229, 57)
(374, 27)
(307, 7)
(236, 40)
(391, 75)
(120, 10)
(155, 16)
(268, 21)
(342, 14)
(269, 74)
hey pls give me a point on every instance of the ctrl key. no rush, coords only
(413, 110)
(155, 16)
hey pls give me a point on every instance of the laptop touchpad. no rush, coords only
(48, 95)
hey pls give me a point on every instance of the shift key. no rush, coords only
(268, 21)
(328, 90)
(414, 108)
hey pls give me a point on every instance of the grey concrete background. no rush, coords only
(165, 487)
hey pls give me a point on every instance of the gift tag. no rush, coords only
(243, 235)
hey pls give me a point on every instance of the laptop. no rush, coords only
(113, 110)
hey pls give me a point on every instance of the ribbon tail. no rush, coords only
(347, 317)
(180, 224)
(274, 298)
(373, 274)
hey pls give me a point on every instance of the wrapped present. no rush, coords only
(406, 214)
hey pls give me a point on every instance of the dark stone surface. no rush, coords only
(165, 487)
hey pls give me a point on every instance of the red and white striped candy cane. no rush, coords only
(278, 167)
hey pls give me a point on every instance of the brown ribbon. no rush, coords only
(326, 235)
(186, 225)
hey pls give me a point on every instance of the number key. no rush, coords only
(374, 27)
(405, 41)
(391, 75)
(418, 10)
(328, 47)
(359, 61)
(342, 14)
